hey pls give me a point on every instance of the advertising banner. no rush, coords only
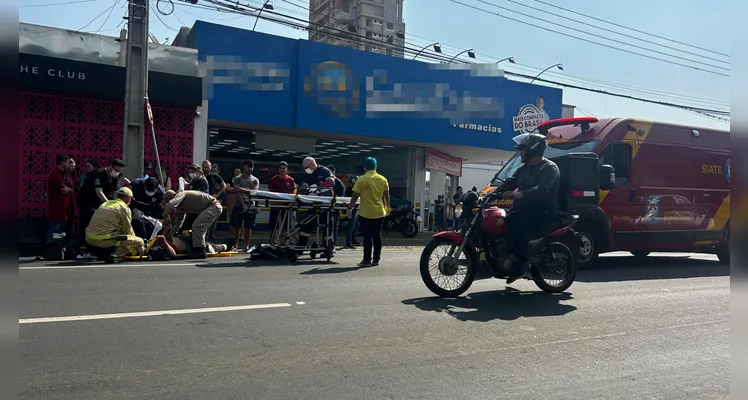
(261, 79)
(437, 161)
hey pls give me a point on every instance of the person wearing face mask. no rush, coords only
(98, 186)
(198, 181)
(323, 178)
(146, 201)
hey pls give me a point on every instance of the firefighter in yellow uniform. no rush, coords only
(111, 229)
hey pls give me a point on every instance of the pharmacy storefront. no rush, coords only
(272, 99)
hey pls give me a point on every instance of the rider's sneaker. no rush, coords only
(365, 264)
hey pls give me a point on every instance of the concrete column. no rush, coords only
(136, 87)
(419, 182)
(201, 135)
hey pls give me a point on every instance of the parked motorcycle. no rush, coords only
(403, 219)
(482, 243)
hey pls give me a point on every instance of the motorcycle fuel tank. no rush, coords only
(494, 221)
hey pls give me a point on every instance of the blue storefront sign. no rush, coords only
(268, 80)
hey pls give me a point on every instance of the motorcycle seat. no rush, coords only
(563, 219)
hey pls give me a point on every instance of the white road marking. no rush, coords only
(123, 265)
(301, 303)
(150, 313)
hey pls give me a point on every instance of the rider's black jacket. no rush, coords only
(539, 187)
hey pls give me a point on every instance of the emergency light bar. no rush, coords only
(583, 121)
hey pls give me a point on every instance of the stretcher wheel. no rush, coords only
(312, 253)
(330, 249)
(291, 256)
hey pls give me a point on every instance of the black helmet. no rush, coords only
(531, 144)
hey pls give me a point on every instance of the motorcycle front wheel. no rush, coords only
(409, 229)
(558, 261)
(443, 274)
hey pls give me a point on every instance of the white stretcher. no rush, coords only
(302, 199)
(287, 230)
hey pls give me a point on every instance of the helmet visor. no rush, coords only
(522, 140)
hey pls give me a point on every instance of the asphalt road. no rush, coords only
(627, 330)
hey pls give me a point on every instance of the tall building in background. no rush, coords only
(371, 25)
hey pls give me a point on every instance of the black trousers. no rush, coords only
(86, 212)
(371, 229)
(526, 224)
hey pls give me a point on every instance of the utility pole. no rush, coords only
(136, 87)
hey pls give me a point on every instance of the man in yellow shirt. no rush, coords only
(374, 192)
(111, 227)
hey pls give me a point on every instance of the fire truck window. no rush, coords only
(618, 155)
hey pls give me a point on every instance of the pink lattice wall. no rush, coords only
(88, 129)
(175, 140)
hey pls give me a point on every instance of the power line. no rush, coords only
(107, 17)
(97, 17)
(591, 41)
(566, 75)
(56, 4)
(539, 79)
(584, 23)
(607, 38)
(161, 20)
(234, 8)
(628, 88)
(625, 96)
(345, 35)
(631, 29)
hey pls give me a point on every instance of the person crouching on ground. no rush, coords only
(111, 227)
(374, 192)
(205, 207)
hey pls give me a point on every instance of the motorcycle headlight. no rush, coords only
(458, 211)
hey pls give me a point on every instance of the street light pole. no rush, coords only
(266, 5)
(510, 59)
(559, 66)
(437, 48)
(470, 53)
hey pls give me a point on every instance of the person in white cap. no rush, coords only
(111, 229)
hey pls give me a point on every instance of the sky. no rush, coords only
(698, 23)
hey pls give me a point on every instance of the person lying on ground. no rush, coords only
(165, 248)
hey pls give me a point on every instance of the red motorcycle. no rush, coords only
(482, 243)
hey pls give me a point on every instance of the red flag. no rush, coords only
(148, 109)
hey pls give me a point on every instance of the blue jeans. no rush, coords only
(52, 228)
(350, 234)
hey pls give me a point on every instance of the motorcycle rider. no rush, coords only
(535, 201)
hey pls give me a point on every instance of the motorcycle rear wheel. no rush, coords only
(567, 265)
(425, 269)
